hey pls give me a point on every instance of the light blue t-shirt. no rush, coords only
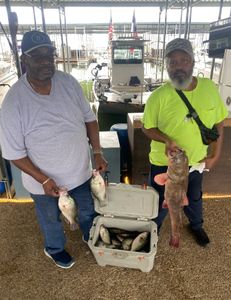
(49, 129)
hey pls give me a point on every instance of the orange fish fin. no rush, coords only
(165, 204)
(174, 241)
(185, 200)
(161, 178)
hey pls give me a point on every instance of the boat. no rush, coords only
(124, 89)
(7, 70)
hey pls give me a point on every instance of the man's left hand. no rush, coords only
(210, 162)
(100, 163)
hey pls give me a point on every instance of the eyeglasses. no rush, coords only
(40, 58)
(175, 63)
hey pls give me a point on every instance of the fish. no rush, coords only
(98, 188)
(120, 238)
(127, 243)
(101, 244)
(135, 242)
(116, 242)
(176, 184)
(122, 233)
(68, 208)
(104, 234)
(140, 241)
(116, 230)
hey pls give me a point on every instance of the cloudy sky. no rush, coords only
(83, 15)
(119, 14)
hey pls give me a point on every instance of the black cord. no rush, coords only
(4, 84)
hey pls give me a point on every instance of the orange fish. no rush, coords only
(176, 184)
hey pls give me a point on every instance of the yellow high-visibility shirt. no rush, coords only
(166, 111)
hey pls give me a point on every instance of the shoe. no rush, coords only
(200, 236)
(61, 259)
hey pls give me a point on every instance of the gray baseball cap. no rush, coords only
(179, 44)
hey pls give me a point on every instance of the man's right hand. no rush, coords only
(50, 188)
(171, 146)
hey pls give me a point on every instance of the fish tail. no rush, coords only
(175, 240)
(161, 178)
(102, 203)
(185, 201)
(165, 204)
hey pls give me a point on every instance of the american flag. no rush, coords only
(134, 27)
(110, 29)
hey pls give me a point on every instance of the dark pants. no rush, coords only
(194, 210)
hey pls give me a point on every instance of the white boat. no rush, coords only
(7, 70)
(124, 89)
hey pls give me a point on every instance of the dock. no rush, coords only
(81, 63)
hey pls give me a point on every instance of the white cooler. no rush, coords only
(130, 208)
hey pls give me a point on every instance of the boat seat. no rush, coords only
(5, 177)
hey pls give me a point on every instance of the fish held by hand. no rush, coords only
(176, 184)
(68, 208)
(98, 188)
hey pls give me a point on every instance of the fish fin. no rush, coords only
(185, 200)
(74, 226)
(174, 241)
(161, 178)
(165, 204)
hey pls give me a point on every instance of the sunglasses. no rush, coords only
(40, 58)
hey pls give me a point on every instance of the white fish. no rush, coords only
(101, 244)
(140, 241)
(127, 243)
(68, 208)
(104, 234)
(98, 188)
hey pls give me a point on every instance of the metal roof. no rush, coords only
(111, 3)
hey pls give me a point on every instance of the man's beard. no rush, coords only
(181, 79)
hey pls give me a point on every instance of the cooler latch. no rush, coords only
(108, 216)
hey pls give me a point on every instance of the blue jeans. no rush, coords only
(194, 193)
(48, 215)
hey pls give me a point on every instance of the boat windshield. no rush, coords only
(128, 55)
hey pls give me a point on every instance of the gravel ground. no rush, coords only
(190, 272)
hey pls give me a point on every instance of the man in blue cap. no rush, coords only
(46, 128)
(167, 123)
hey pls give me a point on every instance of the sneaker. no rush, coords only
(200, 236)
(61, 259)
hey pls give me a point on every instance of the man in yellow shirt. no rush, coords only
(167, 123)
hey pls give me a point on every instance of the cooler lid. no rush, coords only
(131, 201)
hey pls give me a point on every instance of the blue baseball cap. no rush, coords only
(35, 39)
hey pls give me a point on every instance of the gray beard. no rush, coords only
(181, 85)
